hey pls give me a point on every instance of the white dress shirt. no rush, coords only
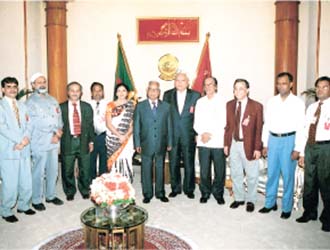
(210, 117)
(99, 115)
(180, 98)
(151, 103)
(10, 102)
(71, 108)
(323, 126)
(243, 107)
(284, 117)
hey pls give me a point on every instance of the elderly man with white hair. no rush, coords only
(46, 119)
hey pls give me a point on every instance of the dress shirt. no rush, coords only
(323, 126)
(284, 117)
(10, 101)
(71, 108)
(151, 105)
(243, 107)
(180, 98)
(210, 117)
(99, 116)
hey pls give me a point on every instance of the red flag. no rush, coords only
(204, 67)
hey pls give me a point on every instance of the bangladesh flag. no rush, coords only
(123, 73)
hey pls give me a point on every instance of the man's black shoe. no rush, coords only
(191, 195)
(249, 207)
(325, 228)
(236, 204)
(306, 218)
(85, 196)
(70, 198)
(203, 200)
(146, 200)
(28, 212)
(173, 194)
(164, 199)
(10, 219)
(55, 201)
(39, 207)
(285, 215)
(265, 210)
(221, 201)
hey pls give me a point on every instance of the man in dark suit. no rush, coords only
(76, 141)
(182, 105)
(152, 137)
(243, 143)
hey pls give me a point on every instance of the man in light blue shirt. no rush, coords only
(46, 123)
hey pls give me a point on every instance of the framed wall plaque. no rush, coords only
(168, 29)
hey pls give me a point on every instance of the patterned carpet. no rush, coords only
(155, 239)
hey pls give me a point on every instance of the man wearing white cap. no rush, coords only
(46, 120)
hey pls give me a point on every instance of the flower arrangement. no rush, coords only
(112, 189)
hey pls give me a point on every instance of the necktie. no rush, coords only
(237, 121)
(76, 120)
(97, 108)
(154, 108)
(16, 113)
(313, 126)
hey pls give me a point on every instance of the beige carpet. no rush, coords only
(209, 225)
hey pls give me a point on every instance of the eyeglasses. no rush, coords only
(152, 89)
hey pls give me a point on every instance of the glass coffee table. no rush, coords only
(102, 231)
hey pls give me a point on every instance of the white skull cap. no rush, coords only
(35, 76)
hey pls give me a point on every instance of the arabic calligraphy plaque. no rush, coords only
(170, 29)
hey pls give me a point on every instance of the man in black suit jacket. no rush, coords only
(152, 137)
(76, 142)
(182, 102)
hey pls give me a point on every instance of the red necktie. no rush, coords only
(237, 121)
(76, 120)
(313, 126)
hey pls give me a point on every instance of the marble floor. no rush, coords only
(207, 226)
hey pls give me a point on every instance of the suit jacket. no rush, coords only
(87, 128)
(182, 123)
(252, 130)
(153, 133)
(10, 133)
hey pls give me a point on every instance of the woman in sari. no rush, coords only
(119, 141)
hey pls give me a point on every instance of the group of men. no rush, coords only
(178, 124)
(239, 130)
(35, 130)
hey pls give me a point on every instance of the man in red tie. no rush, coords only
(316, 157)
(76, 142)
(243, 143)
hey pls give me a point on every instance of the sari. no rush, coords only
(119, 154)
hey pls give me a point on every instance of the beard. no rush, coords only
(42, 90)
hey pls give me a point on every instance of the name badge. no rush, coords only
(327, 125)
(191, 110)
(246, 121)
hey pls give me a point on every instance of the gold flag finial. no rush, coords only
(208, 34)
(118, 36)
